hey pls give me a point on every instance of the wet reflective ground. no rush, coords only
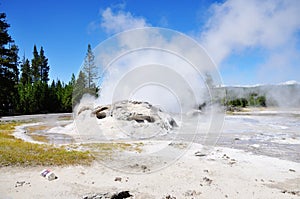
(276, 134)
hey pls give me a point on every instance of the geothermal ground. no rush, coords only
(256, 155)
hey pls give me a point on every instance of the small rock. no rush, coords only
(144, 168)
(19, 183)
(191, 193)
(291, 192)
(119, 179)
(292, 170)
(169, 197)
(199, 154)
(232, 161)
(207, 180)
(225, 156)
(283, 191)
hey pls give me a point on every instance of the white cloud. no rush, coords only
(271, 25)
(114, 22)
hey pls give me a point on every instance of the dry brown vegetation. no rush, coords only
(16, 152)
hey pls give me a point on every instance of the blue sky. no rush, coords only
(250, 41)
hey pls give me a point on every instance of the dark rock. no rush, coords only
(232, 161)
(291, 192)
(121, 195)
(119, 179)
(101, 115)
(225, 156)
(141, 118)
(101, 111)
(202, 106)
(207, 180)
(172, 122)
(199, 154)
(144, 168)
(103, 108)
(170, 197)
(136, 102)
(19, 183)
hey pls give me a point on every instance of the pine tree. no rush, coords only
(79, 88)
(44, 67)
(35, 65)
(14, 62)
(67, 97)
(53, 103)
(90, 68)
(25, 72)
(26, 100)
(40, 67)
(8, 68)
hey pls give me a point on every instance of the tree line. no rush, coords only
(253, 100)
(25, 87)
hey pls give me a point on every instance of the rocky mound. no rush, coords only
(135, 119)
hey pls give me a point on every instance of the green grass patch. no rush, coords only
(8, 127)
(16, 152)
(106, 150)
